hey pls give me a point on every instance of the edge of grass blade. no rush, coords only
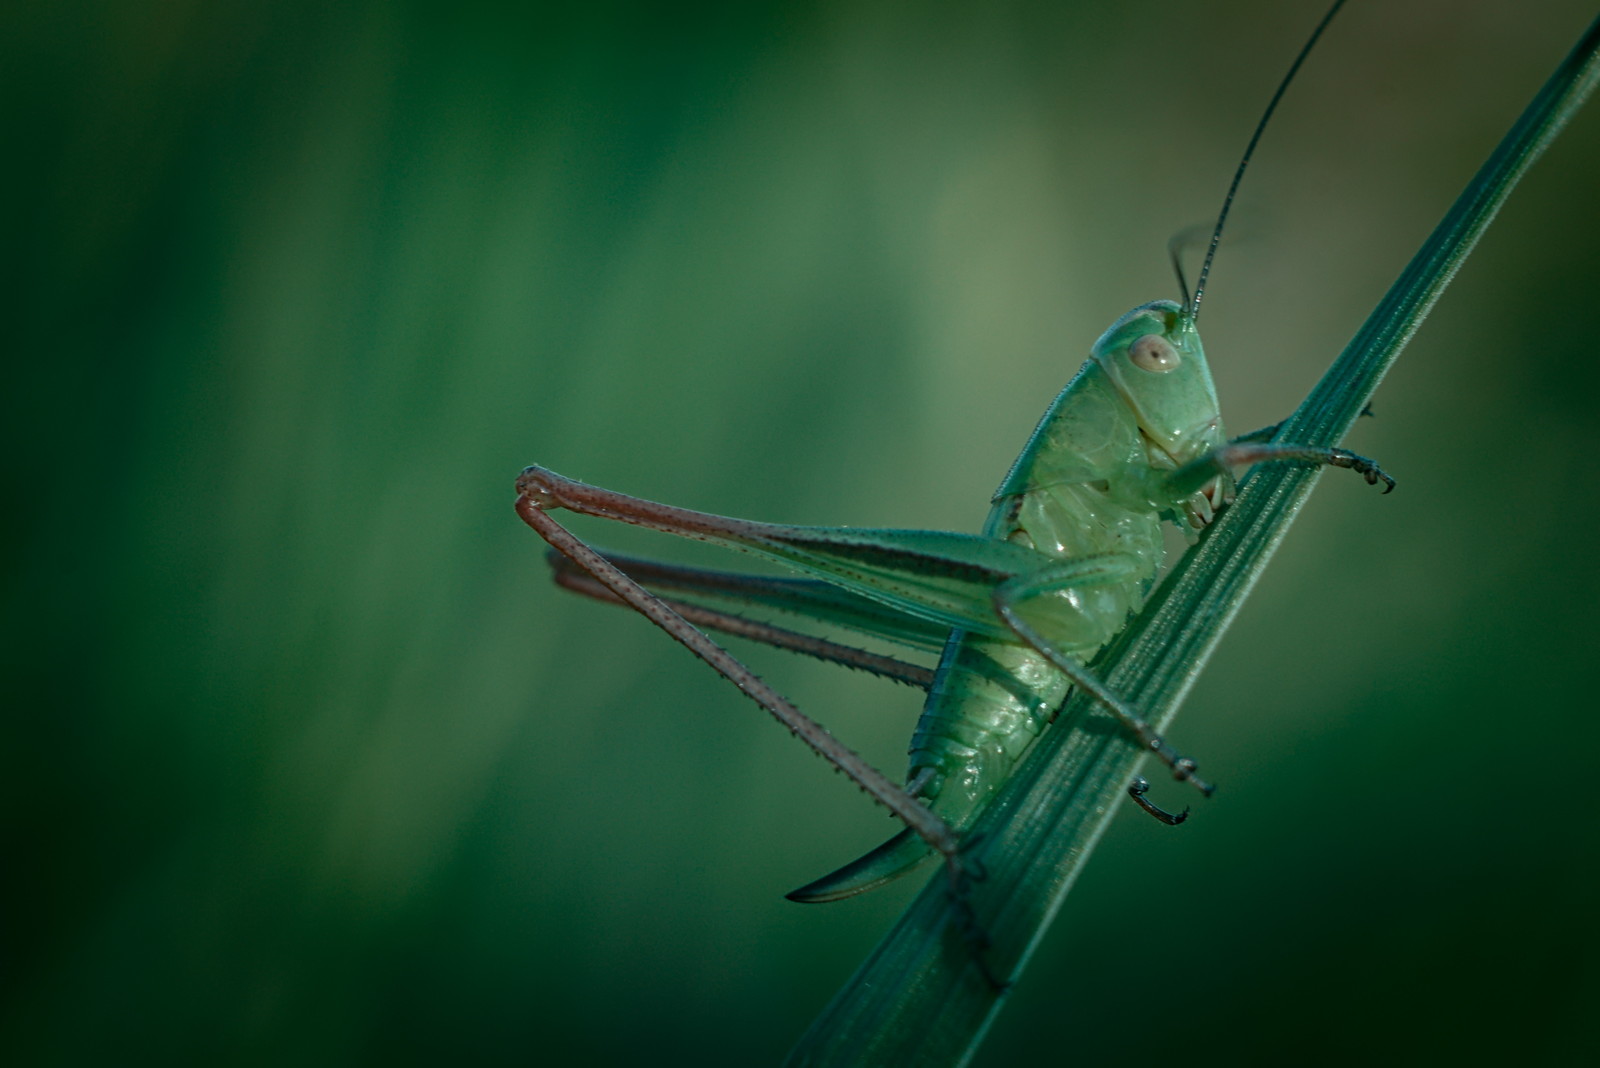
(921, 997)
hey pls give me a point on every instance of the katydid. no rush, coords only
(1072, 546)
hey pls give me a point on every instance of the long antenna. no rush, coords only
(1193, 304)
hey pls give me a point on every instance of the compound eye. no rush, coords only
(1152, 352)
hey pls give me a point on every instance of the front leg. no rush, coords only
(1243, 452)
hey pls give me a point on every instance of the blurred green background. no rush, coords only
(305, 761)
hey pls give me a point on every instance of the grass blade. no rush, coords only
(919, 998)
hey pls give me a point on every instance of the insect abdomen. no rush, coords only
(988, 703)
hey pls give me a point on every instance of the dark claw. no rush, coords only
(1367, 469)
(1137, 790)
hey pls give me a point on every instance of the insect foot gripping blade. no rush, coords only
(888, 862)
(1137, 790)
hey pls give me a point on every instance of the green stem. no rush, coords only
(920, 998)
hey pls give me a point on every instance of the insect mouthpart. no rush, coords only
(1170, 451)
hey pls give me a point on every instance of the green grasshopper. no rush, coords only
(1072, 546)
